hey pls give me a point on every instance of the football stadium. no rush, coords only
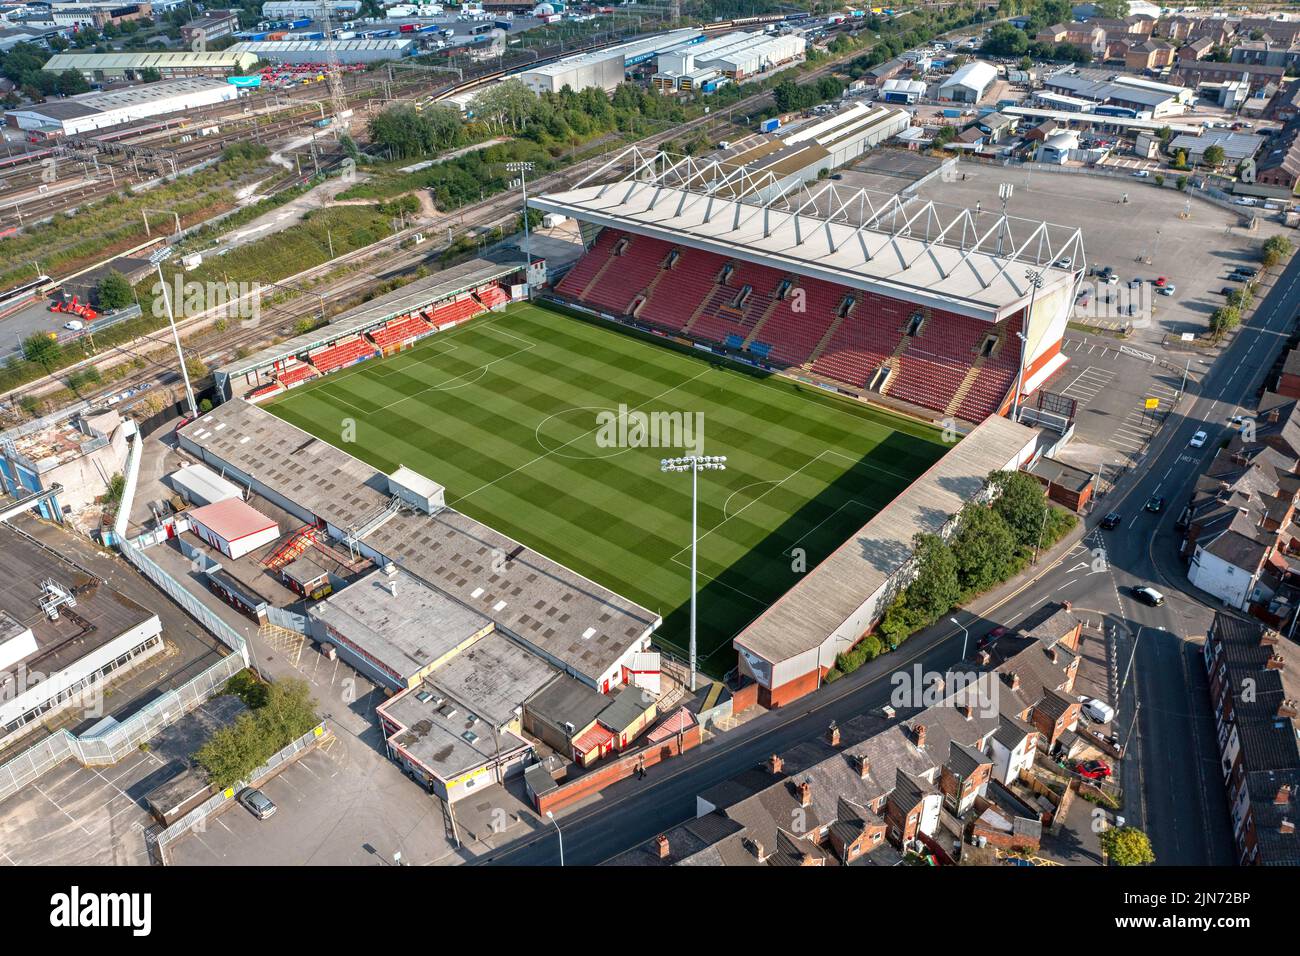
(854, 358)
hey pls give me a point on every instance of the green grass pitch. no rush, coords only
(504, 410)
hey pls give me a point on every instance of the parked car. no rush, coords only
(1142, 174)
(1198, 440)
(258, 803)
(1155, 504)
(992, 636)
(1161, 282)
(1112, 520)
(1246, 271)
(1227, 290)
(1092, 769)
(1098, 711)
(1165, 289)
(1111, 278)
(1238, 277)
(1149, 596)
(1064, 262)
(76, 325)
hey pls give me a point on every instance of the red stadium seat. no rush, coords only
(341, 354)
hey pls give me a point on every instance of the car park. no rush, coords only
(1198, 440)
(257, 803)
(1112, 520)
(1149, 596)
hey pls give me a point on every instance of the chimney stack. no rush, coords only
(1276, 662)
(864, 766)
(833, 734)
(967, 711)
(1269, 638)
(1287, 827)
(774, 764)
(984, 657)
(661, 844)
(1052, 655)
(755, 847)
(805, 793)
(1288, 709)
(1015, 681)
(920, 736)
(1283, 795)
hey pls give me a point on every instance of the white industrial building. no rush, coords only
(318, 51)
(603, 69)
(295, 9)
(91, 111)
(970, 83)
(737, 56)
(233, 527)
(62, 632)
(1057, 148)
(902, 91)
(200, 485)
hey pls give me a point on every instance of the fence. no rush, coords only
(182, 596)
(162, 841)
(117, 743)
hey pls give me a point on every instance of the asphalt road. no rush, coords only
(1171, 777)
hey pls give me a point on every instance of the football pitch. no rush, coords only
(543, 426)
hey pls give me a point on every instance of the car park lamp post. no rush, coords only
(694, 464)
(550, 815)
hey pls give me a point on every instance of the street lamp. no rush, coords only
(965, 636)
(1035, 283)
(550, 815)
(523, 169)
(694, 464)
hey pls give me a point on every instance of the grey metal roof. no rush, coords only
(494, 676)
(566, 700)
(546, 606)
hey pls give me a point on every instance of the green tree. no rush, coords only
(1275, 249)
(935, 589)
(983, 547)
(114, 292)
(1223, 320)
(43, 349)
(1127, 846)
(1021, 503)
(234, 752)
(1214, 156)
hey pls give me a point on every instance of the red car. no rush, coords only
(992, 636)
(1092, 769)
(1160, 282)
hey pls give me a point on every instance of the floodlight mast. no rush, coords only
(694, 464)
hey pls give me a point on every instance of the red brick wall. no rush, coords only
(615, 770)
(790, 690)
(744, 698)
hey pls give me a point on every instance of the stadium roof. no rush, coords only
(413, 295)
(901, 249)
(831, 592)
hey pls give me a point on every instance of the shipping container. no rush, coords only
(770, 125)
(503, 24)
(300, 23)
(407, 28)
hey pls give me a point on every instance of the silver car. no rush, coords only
(258, 803)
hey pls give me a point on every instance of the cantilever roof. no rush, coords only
(973, 283)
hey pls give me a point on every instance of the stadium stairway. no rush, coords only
(964, 388)
(820, 347)
(768, 312)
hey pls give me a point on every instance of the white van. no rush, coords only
(1098, 711)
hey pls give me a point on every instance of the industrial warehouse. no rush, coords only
(92, 111)
(319, 51)
(107, 67)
